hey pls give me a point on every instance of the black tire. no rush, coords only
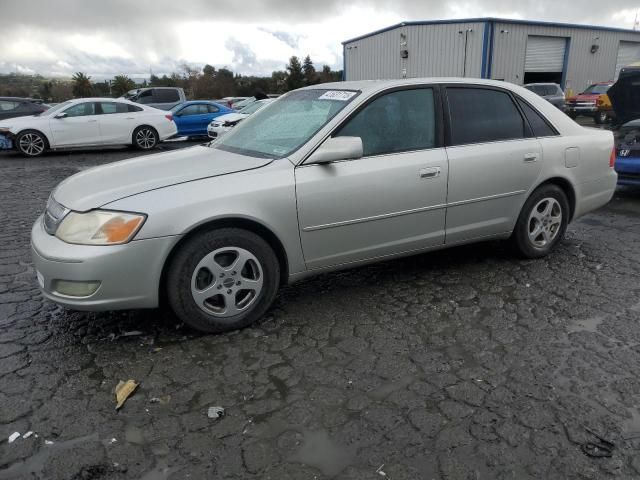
(182, 271)
(31, 143)
(145, 138)
(520, 238)
(600, 118)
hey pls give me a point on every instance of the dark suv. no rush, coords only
(20, 107)
(551, 92)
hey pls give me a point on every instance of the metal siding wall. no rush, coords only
(583, 67)
(438, 50)
(434, 50)
(373, 58)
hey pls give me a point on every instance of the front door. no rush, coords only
(390, 201)
(193, 119)
(79, 127)
(493, 162)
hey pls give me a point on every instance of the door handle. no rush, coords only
(530, 157)
(431, 172)
(91, 121)
(130, 118)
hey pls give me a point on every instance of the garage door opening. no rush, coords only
(543, 77)
(544, 59)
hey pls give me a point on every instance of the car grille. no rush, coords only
(53, 215)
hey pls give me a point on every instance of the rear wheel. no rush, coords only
(542, 222)
(223, 280)
(31, 143)
(145, 137)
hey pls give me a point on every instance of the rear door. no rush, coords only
(389, 201)
(493, 161)
(79, 127)
(116, 122)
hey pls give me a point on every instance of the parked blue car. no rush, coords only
(193, 117)
(628, 154)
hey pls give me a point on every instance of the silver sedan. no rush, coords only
(326, 177)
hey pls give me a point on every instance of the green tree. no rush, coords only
(310, 75)
(295, 75)
(82, 86)
(121, 84)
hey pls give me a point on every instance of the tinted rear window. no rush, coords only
(482, 115)
(162, 95)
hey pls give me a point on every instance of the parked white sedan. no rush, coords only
(88, 122)
(222, 124)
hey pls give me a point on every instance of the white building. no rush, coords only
(517, 51)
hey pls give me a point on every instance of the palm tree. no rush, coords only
(81, 85)
(121, 84)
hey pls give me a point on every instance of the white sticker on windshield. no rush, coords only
(341, 95)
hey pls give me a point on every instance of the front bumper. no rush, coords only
(217, 132)
(129, 274)
(581, 109)
(6, 141)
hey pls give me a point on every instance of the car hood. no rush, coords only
(230, 117)
(587, 97)
(98, 186)
(625, 97)
(17, 123)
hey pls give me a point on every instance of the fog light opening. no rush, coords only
(75, 289)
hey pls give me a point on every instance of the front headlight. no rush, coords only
(5, 129)
(99, 227)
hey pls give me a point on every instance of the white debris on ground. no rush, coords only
(215, 412)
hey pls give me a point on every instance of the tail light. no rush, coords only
(612, 158)
(169, 117)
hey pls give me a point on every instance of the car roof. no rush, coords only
(541, 83)
(22, 99)
(368, 86)
(196, 102)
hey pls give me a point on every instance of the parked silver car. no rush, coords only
(327, 177)
(551, 92)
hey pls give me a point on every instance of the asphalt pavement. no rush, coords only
(462, 364)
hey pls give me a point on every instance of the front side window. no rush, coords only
(7, 106)
(145, 97)
(81, 109)
(396, 122)
(481, 115)
(196, 109)
(287, 124)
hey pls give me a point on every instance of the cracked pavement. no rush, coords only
(462, 364)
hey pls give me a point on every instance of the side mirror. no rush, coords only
(337, 148)
(61, 115)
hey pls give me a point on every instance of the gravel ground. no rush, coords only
(461, 364)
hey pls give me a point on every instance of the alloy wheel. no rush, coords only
(145, 138)
(31, 144)
(544, 223)
(227, 281)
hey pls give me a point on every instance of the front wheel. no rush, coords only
(542, 222)
(31, 143)
(222, 280)
(600, 118)
(145, 138)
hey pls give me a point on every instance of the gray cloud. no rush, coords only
(154, 26)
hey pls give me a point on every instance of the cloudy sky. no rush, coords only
(108, 37)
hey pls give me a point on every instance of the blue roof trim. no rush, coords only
(492, 20)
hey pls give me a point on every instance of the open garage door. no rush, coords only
(628, 52)
(544, 59)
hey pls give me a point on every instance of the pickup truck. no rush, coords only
(585, 103)
(164, 98)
